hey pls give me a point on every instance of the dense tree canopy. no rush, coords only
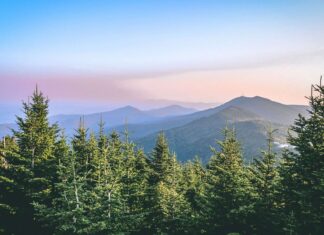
(105, 184)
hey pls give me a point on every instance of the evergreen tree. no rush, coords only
(80, 148)
(73, 210)
(228, 191)
(69, 211)
(265, 181)
(171, 201)
(194, 189)
(134, 184)
(167, 203)
(36, 145)
(105, 185)
(302, 171)
(13, 199)
(109, 215)
(161, 159)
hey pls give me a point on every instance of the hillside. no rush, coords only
(196, 137)
(268, 109)
(119, 117)
(265, 109)
(191, 133)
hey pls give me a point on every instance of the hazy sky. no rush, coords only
(127, 51)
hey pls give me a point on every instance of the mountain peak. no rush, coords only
(254, 99)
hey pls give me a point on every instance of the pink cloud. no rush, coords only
(66, 86)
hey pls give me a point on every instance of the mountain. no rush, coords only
(192, 133)
(266, 109)
(119, 117)
(196, 137)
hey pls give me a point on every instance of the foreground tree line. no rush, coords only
(104, 184)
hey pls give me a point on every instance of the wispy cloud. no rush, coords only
(67, 86)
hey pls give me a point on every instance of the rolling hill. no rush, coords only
(196, 137)
(264, 108)
(117, 117)
(192, 133)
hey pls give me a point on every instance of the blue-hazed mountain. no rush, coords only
(112, 118)
(118, 117)
(193, 134)
(265, 109)
(268, 109)
(196, 137)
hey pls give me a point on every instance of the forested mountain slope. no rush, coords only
(196, 137)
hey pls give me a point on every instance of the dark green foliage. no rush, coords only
(12, 196)
(264, 177)
(169, 209)
(32, 163)
(194, 190)
(105, 185)
(228, 191)
(302, 171)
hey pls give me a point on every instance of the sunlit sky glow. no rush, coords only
(126, 51)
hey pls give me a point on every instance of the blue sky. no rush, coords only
(155, 35)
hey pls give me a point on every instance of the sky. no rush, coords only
(96, 53)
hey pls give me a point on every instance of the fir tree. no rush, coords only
(134, 184)
(160, 159)
(228, 191)
(109, 189)
(69, 211)
(36, 145)
(12, 196)
(167, 203)
(265, 181)
(194, 175)
(80, 148)
(302, 171)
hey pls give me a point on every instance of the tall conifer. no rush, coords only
(302, 171)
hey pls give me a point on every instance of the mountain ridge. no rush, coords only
(193, 133)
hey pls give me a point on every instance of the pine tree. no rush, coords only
(36, 145)
(171, 201)
(228, 191)
(264, 178)
(194, 189)
(69, 212)
(302, 170)
(134, 184)
(12, 196)
(80, 148)
(167, 203)
(109, 215)
(74, 209)
(160, 159)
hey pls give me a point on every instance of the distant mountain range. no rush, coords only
(249, 116)
(191, 132)
(118, 117)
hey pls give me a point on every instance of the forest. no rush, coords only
(102, 183)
